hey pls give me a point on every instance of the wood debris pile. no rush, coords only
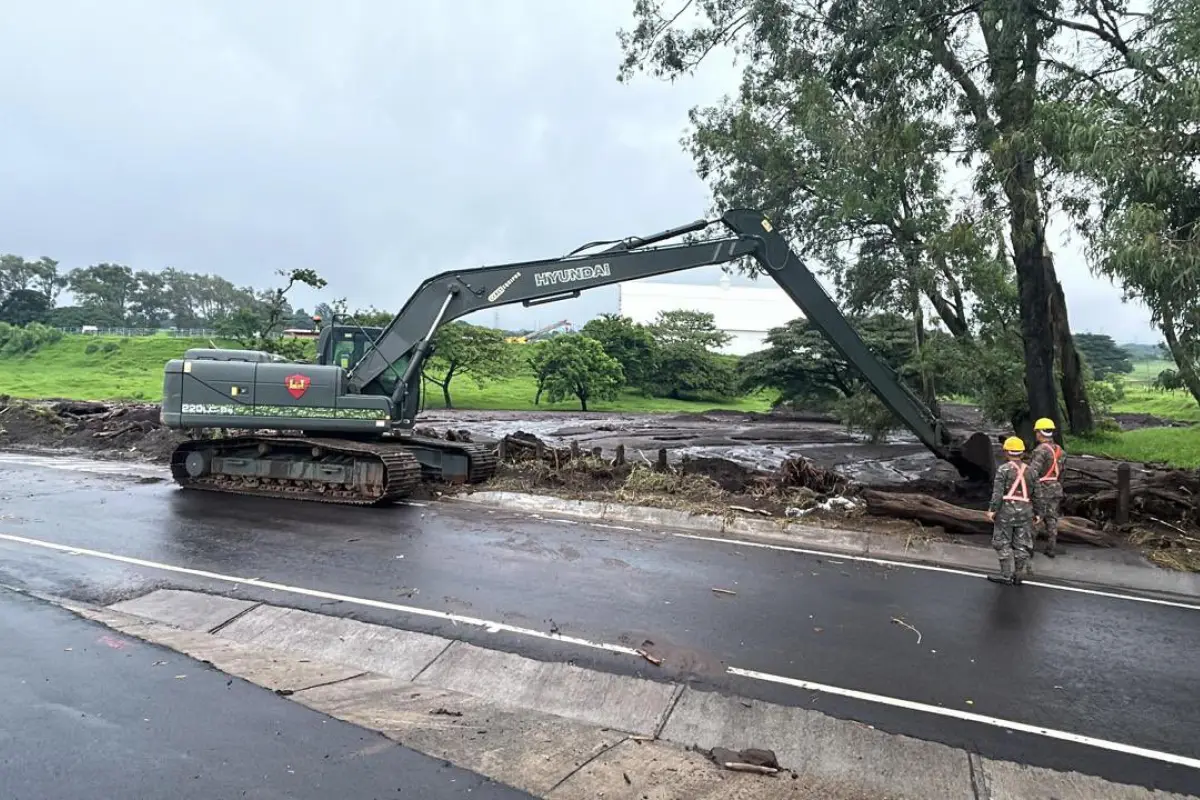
(104, 421)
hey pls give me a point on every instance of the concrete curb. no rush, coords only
(1078, 569)
(560, 731)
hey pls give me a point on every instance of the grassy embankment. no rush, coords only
(131, 369)
(1179, 447)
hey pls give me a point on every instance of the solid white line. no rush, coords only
(968, 716)
(458, 619)
(934, 568)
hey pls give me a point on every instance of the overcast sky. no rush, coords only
(378, 142)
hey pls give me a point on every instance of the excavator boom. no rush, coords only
(364, 415)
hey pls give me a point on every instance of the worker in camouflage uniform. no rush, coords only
(1047, 464)
(1012, 512)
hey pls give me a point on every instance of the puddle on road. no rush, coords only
(73, 463)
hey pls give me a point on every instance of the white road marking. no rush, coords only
(933, 568)
(968, 716)
(495, 627)
(458, 619)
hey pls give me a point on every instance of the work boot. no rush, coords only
(1006, 572)
(1000, 578)
(1020, 571)
(1051, 550)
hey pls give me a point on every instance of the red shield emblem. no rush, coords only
(297, 385)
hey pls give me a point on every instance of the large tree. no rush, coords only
(1127, 125)
(463, 350)
(972, 74)
(576, 366)
(631, 344)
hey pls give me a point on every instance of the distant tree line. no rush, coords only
(116, 296)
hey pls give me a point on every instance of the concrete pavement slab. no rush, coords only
(1004, 780)
(271, 669)
(531, 751)
(635, 705)
(372, 648)
(822, 748)
(192, 611)
(654, 771)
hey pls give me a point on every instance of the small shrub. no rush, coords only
(17, 341)
(1103, 395)
(91, 348)
(1168, 381)
(866, 413)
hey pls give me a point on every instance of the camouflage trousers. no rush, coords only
(1050, 510)
(1012, 538)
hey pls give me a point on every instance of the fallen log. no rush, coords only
(80, 407)
(956, 519)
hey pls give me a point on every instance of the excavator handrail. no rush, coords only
(451, 295)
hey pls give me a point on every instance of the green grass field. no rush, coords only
(1178, 447)
(132, 369)
(1147, 371)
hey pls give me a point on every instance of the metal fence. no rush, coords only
(178, 333)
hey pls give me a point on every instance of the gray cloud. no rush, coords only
(378, 142)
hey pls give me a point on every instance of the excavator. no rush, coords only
(342, 430)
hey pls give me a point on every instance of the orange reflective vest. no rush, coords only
(1019, 484)
(1052, 473)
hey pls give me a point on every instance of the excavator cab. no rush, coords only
(345, 345)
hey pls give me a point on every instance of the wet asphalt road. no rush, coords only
(1108, 668)
(88, 712)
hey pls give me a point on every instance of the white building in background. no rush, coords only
(744, 312)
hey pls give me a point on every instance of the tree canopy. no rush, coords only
(850, 113)
(576, 366)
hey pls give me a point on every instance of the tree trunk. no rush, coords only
(1074, 386)
(957, 519)
(446, 394)
(1187, 371)
(582, 402)
(1027, 234)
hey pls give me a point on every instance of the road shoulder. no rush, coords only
(1089, 572)
(560, 731)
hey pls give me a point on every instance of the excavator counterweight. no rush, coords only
(342, 430)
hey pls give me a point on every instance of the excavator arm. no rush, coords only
(402, 347)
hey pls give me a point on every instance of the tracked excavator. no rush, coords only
(342, 430)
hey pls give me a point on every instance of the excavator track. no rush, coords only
(482, 460)
(353, 472)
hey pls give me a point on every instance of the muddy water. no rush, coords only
(751, 440)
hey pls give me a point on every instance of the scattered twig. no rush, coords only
(748, 510)
(723, 591)
(737, 766)
(652, 659)
(1166, 524)
(1092, 475)
(904, 624)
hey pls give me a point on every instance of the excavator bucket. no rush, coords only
(976, 458)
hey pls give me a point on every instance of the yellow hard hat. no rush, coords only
(1013, 444)
(1044, 424)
